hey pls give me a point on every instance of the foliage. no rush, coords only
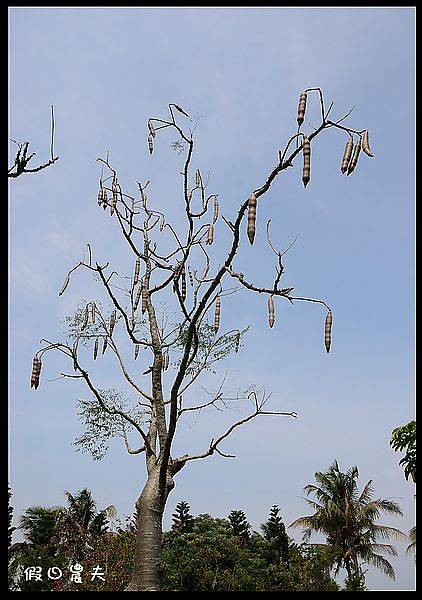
(276, 538)
(10, 510)
(239, 525)
(182, 519)
(404, 438)
(348, 520)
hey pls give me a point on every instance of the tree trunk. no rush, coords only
(148, 565)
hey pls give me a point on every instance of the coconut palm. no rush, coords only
(348, 518)
(412, 538)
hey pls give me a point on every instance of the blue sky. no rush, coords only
(106, 71)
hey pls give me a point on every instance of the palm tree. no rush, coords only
(347, 518)
(39, 523)
(412, 538)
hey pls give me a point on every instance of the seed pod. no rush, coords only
(137, 298)
(210, 237)
(190, 275)
(144, 298)
(105, 199)
(162, 223)
(327, 330)
(183, 290)
(132, 320)
(189, 194)
(205, 271)
(93, 312)
(236, 342)
(251, 217)
(151, 129)
(100, 197)
(217, 313)
(306, 174)
(215, 215)
(104, 344)
(271, 311)
(96, 347)
(365, 143)
(347, 154)
(136, 351)
(86, 317)
(36, 370)
(137, 269)
(113, 202)
(354, 160)
(301, 108)
(198, 177)
(150, 144)
(65, 284)
(112, 322)
(75, 356)
(166, 360)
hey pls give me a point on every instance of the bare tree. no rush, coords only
(22, 159)
(195, 343)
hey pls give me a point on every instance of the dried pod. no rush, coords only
(166, 360)
(301, 108)
(93, 312)
(65, 284)
(162, 223)
(86, 317)
(189, 195)
(190, 272)
(136, 351)
(150, 144)
(217, 314)
(75, 355)
(112, 322)
(104, 345)
(354, 160)
(137, 298)
(137, 269)
(105, 199)
(100, 197)
(96, 343)
(205, 271)
(151, 129)
(306, 173)
(236, 342)
(132, 320)
(347, 154)
(327, 330)
(365, 143)
(215, 215)
(36, 370)
(183, 286)
(198, 177)
(144, 298)
(210, 237)
(251, 217)
(113, 202)
(271, 311)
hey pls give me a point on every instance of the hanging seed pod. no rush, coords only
(271, 311)
(190, 273)
(251, 217)
(86, 318)
(347, 154)
(36, 370)
(65, 284)
(93, 312)
(100, 196)
(306, 174)
(215, 215)
(75, 356)
(166, 360)
(137, 298)
(365, 143)
(210, 237)
(198, 177)
(236, 342)
(327, 330)
(151, 129)
(132, 320)
(105, 199)
(96, 343)
(144, 298)
(150, 144)
(301, 108)
(112, 322)
(162, 223)
(205, 271)
(217, 313)
(183, 290)
(113, 201)
(189, 195)
(354, 160)
(104, 345)
(137, 269)
(136, 351)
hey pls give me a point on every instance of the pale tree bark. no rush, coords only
(169, 272)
